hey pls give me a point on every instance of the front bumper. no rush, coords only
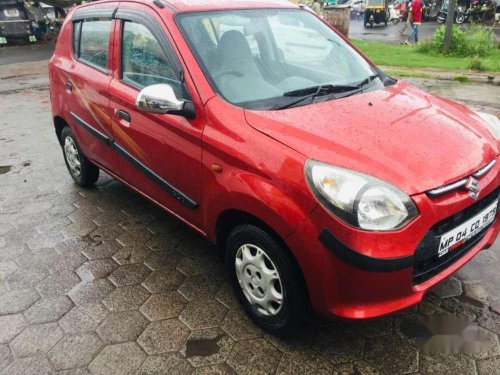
(358, 274)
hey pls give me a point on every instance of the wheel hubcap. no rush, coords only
(259, 279)
(72, 156)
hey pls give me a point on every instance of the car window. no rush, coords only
(94, 42)
(143, 60)
(258, 58)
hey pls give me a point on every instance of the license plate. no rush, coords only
(3, 40)
(32, 38)
(461, 234)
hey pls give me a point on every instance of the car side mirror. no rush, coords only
(161, 99)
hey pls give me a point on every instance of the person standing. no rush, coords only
(416, 11)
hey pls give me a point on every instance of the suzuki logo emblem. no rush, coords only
(471, 185)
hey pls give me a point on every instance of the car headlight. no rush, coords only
(363, 201)
(492, 122)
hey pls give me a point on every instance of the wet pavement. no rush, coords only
(102, 281)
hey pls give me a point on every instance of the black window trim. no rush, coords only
(123, 79)
(91, 14)
(154, 27)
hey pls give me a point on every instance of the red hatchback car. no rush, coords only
(323, 180)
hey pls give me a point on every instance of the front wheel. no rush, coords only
(83, 172)
(395, 21)
(460, 18)
(441, 19)
(265, 279)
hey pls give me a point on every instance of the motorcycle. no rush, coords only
(394, 15)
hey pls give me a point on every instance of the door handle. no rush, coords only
(123, 115)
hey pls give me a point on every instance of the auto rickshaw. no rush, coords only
(376, 11)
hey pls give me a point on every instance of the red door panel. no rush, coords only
(160, 154)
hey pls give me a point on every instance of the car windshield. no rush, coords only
(264, 58)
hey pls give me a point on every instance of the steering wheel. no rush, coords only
(228, 73)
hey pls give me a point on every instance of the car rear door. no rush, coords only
(86, 78)
(161, 153)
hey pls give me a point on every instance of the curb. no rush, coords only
(489, 78)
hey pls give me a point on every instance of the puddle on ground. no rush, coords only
(203, 347)
(414, 329)
(5, 168)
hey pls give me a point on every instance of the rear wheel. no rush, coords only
(264, 278)
(83, 172)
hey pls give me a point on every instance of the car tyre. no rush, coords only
(260, 269)
(83, 172)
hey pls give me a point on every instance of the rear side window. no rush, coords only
(91, 41)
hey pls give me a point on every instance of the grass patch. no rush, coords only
(410, 57)
(461, 79)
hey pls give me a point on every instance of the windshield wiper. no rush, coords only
(311, 93)
(314, 91)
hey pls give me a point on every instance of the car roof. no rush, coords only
(182, 6)
(199, 5)
(186, 6)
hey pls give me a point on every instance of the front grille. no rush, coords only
(16, 28)
(427, 262)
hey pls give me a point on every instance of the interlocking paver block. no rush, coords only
(339, 344)
(203, 314)
(84, 318)
(161, 260)
(222, 369)
(130, 274)
(16, 301)
(132, 254)
(207, 347)
(255, 356)
(122, 326)
(446, 364)
(358, 368)
(448, 288)
(391, 354)
(7, 268)
(163, 336)
(98, 249)
(163, 281)
(36, 339)
(96, 269)
(239, 326)
(304, 363)
(48, 309)
(27, 278)
(163, 306)
(75, 351)
(373, 328)
(126, 298)
(59, 283)
(10, 326)
(201, 286)
(5, 356)
(91, 291)
(119, 359)
(38, 365)
(489, 366)
(170, 363)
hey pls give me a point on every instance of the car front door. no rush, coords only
(161, 153)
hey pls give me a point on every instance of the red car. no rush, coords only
(322, 179)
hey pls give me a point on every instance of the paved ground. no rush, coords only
(102, 281)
